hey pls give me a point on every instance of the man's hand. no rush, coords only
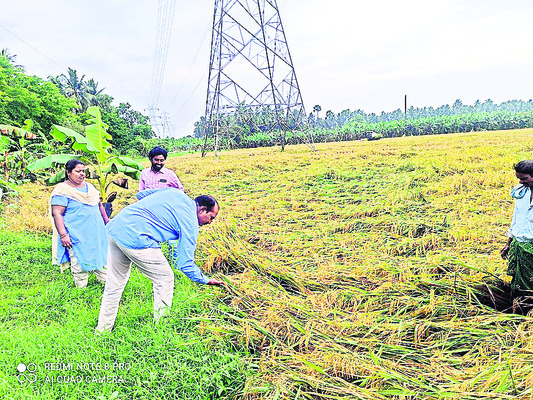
(505, 251)
(215, 282)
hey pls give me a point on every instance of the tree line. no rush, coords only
(64, 100)
(244, 130)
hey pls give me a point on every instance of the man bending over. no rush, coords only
(135, 235)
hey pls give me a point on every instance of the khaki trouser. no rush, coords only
(152, 263)
(81, 277)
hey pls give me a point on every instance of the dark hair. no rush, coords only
(524, 167)
(207, 201)
(157, 151)
(70, 165)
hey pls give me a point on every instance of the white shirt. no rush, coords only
(522, 223)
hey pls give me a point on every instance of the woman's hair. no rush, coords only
(70, 165)
(524, 167)
(207, 201)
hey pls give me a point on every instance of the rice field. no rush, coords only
(362, 270)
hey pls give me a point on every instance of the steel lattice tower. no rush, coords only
(251, 69)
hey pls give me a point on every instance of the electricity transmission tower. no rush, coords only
(161, 124)
(154, 117)
(168, 128)
(252, 84)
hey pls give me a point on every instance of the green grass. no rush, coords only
(44, 320)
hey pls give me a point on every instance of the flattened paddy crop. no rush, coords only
(365, 270)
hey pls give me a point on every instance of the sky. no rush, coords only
(347, 54)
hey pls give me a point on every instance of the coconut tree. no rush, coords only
(74, 87)
(317, 109)
(12, 58)
(93, 93)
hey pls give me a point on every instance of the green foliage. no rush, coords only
(357, 129)
(127, 127)
(235, 127)
(29, 97)
(63, 101)
(245, 129)
(175, 145)
(84, 93)
(46, 320)
(17, 149)
(473, 122)
(5, 53)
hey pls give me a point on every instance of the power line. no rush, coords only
(194, 91)
(165, 15)
(190, 67)
(29, 45)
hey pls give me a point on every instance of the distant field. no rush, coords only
(363, 270)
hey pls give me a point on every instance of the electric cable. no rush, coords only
(164, 28)
(29, 45)
(190, 67)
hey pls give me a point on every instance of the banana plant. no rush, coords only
(13, 138)
(5, 185)
(94, 142)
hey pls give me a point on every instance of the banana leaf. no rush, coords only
(80, 142)
(50, 161)
(13, 131)
(4, 143)
(58, 177)
(128, 162)
(7, 187)
(131, 172)
(111, 198)
(114, 168)
(97, 136)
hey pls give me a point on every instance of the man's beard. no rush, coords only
(157, 167)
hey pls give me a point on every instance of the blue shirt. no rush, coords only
(161, 215)
(522, 223)
(86, 229)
